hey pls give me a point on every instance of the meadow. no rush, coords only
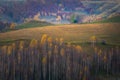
(74, 33)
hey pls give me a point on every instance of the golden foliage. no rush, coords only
(9, 50)
(49, 53)
(56, 49)
(74, 46)
(43, 39)
(93, 38)
(56, 39)
(61, 41)
(51, 44)
(14, 46)
(44, 60)
(33, 43)
(49, 40)
(105, 58)
(78, 48)
(95, 49)
(62, 52)
(4, 48)
(100, 52)
(21, 45)
(68, 44)
(12, 26)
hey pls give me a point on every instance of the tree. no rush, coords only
(73, 19)
(12, 26)
(93, 40)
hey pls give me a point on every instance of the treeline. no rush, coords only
(4, 26)
(49, 59)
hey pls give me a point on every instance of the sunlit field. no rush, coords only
(74, 33)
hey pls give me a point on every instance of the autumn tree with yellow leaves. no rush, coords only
(52, 59)
(12, 26)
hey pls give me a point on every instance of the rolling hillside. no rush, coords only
(5, 27)
(32, 24)
(74, 33)
(114, 19)
(18, 11)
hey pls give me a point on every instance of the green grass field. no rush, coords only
(32, 24)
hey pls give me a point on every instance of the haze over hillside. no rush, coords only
(58, 11)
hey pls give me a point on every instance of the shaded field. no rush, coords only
(74, 33)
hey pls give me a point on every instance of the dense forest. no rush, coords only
(52, 59)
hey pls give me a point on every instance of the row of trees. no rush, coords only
(49, 59)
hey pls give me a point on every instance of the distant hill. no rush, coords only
(114, 19)
(33, 24)
(18, 10)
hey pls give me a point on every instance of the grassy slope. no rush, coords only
(32, 24)
(110, 20)
(71, 33)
